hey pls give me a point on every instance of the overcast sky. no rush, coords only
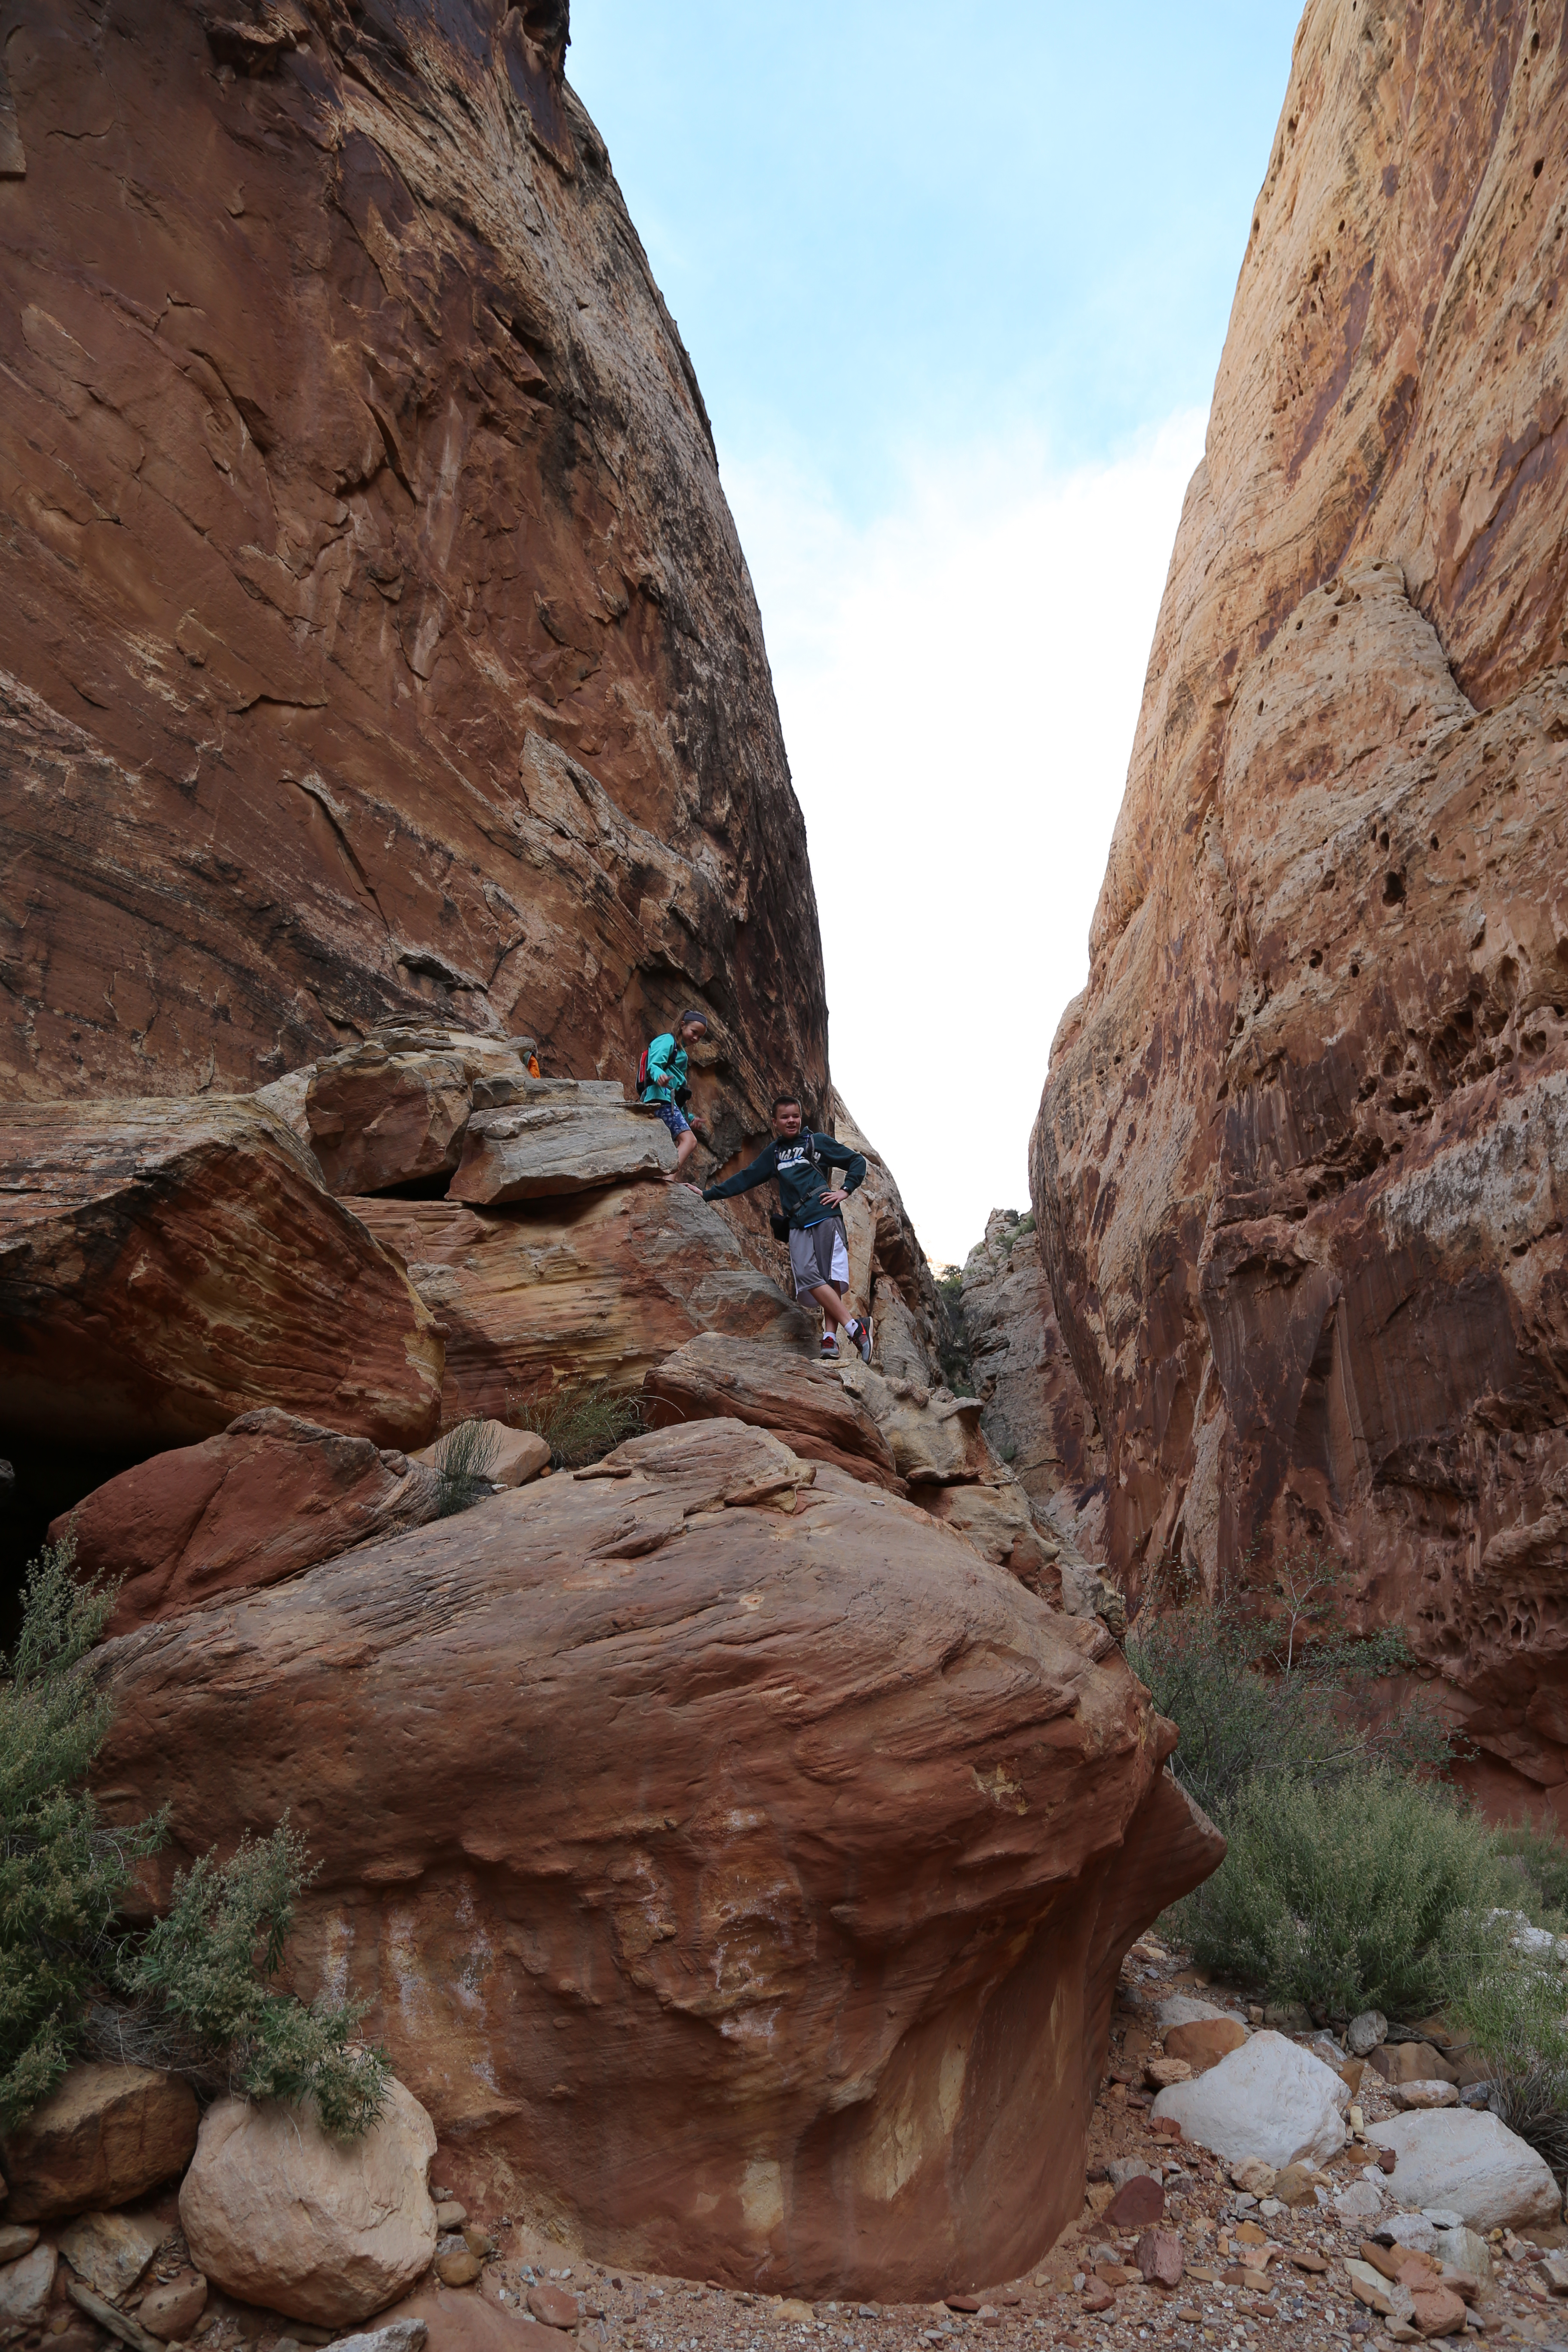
(955, 281)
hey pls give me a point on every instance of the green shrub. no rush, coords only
(1273, 1695)
(463, 1462)
(1346, 1894)
(1540, 1857)
(581, 1426)
(209, 1964)
(190, 1995)
(1509, 2006)
(62, 1873)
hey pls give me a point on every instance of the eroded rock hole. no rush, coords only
(1393, 889)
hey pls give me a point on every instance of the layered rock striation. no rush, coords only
(374, 630)
(1299, 1162)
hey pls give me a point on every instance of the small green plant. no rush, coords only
(1348, 1894)
(463, 1461)
(208, 1964)
(62, 1872)
(581, 1426)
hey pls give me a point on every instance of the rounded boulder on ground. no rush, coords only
(278, 2214)
(1465, 2159)
(1268, 2100)
(106, 2135)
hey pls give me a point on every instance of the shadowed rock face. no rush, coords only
(372, 627)
(1300, 1162)
(738, 1870)
(166, 1266)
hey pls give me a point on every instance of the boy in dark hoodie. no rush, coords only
(795, 1161)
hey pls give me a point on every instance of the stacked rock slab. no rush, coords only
(376, 633)
(561, 1138)
(795, 2016)
(1301, 1152)
(166, 1266)
(596, 1287)
(716, 1378)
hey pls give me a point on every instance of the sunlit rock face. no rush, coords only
(374, 631)
(1299, 1162)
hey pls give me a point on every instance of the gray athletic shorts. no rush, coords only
(819, 1255)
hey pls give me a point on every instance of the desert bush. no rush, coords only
(1508, 2004)
(1350, 1894)
(196, 1991)
(1274, 1695)
(580, 1425)
(208, 1965)
(62, 1871)
(1540, 1857)
(463, 1461)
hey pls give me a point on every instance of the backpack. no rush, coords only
(682, 1094)
(780, 1223)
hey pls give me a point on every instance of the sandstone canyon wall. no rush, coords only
(1300, 1165)
(373, 633)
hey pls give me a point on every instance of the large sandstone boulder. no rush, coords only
(168, 1266)
(1465, 2161)
(598, 1289)
(277, 2212)
(282, 753)
(106, 2135)
(1302, 1146)
(718, 1378)
(734, 1862)
(541, 1150)
(271, 1496)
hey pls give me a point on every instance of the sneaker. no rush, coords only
(861, 1335)
(830, 1345)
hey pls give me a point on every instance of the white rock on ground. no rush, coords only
(1268, 2100)
(1463, 2157)
(279, 2214)
(399, 2336)
(25, 2287)
(1359, 2201)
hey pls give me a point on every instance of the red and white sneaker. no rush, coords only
(860, 1336)
(830, 1346)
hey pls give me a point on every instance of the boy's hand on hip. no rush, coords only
(831, 1200)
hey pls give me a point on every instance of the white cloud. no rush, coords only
(959, 682)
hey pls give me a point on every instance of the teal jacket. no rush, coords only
(666, 1070)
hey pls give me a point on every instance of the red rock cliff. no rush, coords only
(1300, 1161)
(372, 627)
